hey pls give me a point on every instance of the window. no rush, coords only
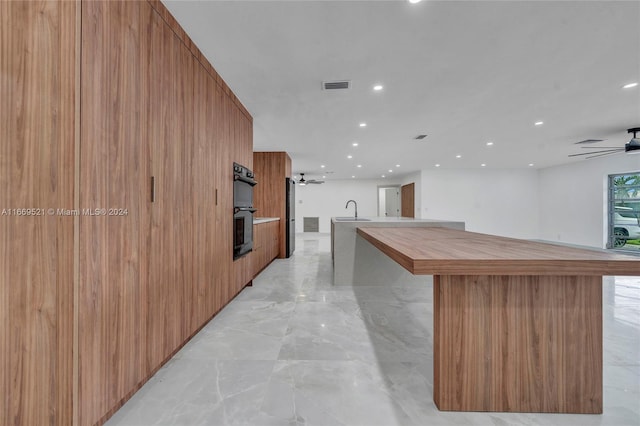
(624, 212)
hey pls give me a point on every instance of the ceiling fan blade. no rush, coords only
(608, 151)
(600, 155)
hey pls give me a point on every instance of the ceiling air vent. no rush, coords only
(419, 137)
(336, 85)
(589, 141)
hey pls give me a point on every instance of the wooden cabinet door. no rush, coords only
(114, 175)
(223, 172)
(204, 193)
(171, 145)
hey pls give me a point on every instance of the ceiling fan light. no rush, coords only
(633, 146)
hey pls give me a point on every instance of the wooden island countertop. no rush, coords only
(446, 251)
(517, 325)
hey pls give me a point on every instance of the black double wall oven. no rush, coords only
(243, 183)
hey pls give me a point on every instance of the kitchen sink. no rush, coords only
(351, 219)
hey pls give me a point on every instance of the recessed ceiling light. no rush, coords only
(390, 171)
(352, 177)
(382, 175)
(397, 165)
(414, 1)
(530, 164)
(359, 165)
(377, 87)
(363, 124)
(322, 166)
(437, 165)
(324, 177)
(489, 143)
(483, 165)
(538, 123)
(630, 85)
(349, 157)
(458, 156)
(355, 144)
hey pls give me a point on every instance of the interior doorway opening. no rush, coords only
(389, 200)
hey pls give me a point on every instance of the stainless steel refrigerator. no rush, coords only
(291, 216)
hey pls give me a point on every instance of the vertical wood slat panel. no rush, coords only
(171, 237)
(501, 343)
(206, 178)
(185, 194)
(224, 210)
(159, 119)
(38, 56)
(114, 175)
(202, 230)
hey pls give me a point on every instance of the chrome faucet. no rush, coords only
(355, 204)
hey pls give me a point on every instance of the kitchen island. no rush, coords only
(355, 262)
(517, 324)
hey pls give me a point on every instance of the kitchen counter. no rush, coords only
(455, 252)
(517, 324)
(259, 220)
(356, 262)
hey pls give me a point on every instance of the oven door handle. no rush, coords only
(245, 179)
(244, 209)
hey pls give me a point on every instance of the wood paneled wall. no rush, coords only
(269, 197)
(523, 344)
(143, 278)
(151, 279)
(38, 54)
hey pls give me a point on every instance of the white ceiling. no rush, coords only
(463, 72)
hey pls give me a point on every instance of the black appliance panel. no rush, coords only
(242, 194)
(243, 210)
(243, 184)
(290, 217)
(242, 232)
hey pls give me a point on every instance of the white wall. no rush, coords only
(565, 203)
(573, 199)
(499, 202)
(328, 199)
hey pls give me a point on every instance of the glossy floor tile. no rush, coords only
(296, 350)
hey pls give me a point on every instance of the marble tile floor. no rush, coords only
(296, 350)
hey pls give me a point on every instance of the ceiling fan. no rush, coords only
(633, 146)
(303, 181)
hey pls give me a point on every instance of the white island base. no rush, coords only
(357, 262)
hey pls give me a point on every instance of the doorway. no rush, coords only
(389, 201)
(407, 197)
